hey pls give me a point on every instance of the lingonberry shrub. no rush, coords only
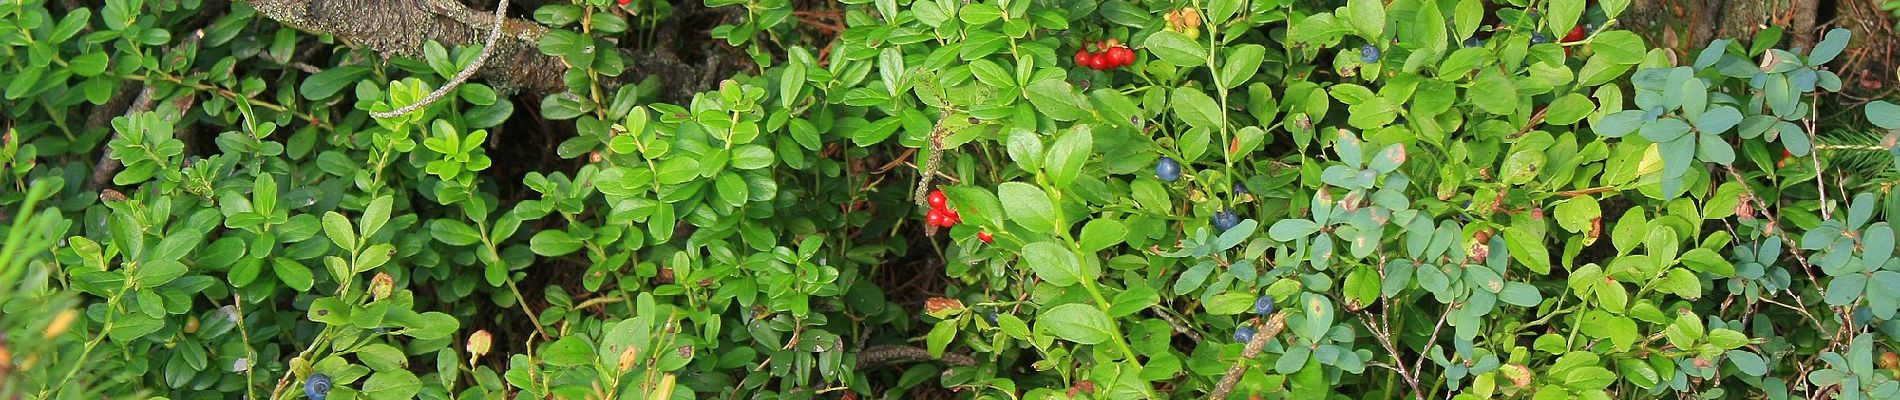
(1422, 199)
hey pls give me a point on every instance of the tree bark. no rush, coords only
(400, 27)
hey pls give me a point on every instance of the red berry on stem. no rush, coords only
(937, 200)
(624, 2)
(985, 237)
(952, 217)
(936, 218)
(1084, 59)
(1100, 62)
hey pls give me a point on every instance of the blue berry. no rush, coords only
(1369, 54)
(1167, 169)
(1263, 306)
(1244, 334)
(1474, 42)
(317, 387)
(1538, 38)
(991, 316)
(1225, 219)
(1240, 189)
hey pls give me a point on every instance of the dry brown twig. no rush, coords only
(1275, 325)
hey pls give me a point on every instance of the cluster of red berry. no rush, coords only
(943, 217)
(940, 213)
(1113, 55)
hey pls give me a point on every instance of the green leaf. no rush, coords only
(1707, 261)
(1099, 234)
(1613, 296)
(939, 337)
(330, 81)
(1619, 123)
(1883, 114)
(1717, 120)
(160, 272)
(1241, 64)
(554, 243)
(1499, 94)
(1589, 378)
(339, 230)
(453, 232)
(1057, 265)
(1056, 99)
(1562, 15)
(394, 384)
(569, 351)
(1520, 294)
(1576, 214)
(1176, 48)
(1027, 205)
(751, 156)
(431, 326)
(1528, 247)
(1078, 323)
(1830, 46)
(375, 215)
(1230, 303)
(293, 273)
(1619, 47)
(90, 64)
(1287, 230)
(1068, 154)
(1013, 326)
(1570, 109)
(1195, 108)
(1748, 363)
(1727, 339)
(1318, 316)
(1368, 18)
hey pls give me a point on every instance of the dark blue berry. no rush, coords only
(1474, 42)
(1369, 54)
(317, 387)
(1225, 219)
(1538, 38)
(991, 316)
(1240, 188)
(1167, 169)
(1263, 306)
(1244, 334)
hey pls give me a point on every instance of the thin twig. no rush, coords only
(1819, 184)
(1382, 331)
(1275, 324)
(1420, 363)
(494, 35)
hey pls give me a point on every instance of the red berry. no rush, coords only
(952, 216)
(1575, 34)
(624, 2)
(1122, 56)
(936, 218)
(937, 200)
(1102, 62)
(1084, 59)
(986, 238)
